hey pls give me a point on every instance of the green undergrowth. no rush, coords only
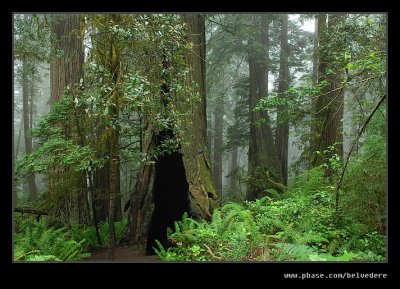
(37, 240)
(89, 234)
(301, 225)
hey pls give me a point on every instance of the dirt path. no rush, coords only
(122, 255)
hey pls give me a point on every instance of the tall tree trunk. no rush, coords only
(315, 55)
(28, 139)
(264, 166)
(15, 154)
(113, 66)
(327, 122)
(282, 127)
(65, 73)
(18, 140)
(190, 168)
(312, 138)
(218, 143)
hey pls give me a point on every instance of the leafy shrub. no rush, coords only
(89, 234)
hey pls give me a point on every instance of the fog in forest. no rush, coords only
(138, 130)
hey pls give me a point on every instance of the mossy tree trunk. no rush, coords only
(201, 195)
(107, 53)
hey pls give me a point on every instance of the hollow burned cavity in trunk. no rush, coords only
(171, 191)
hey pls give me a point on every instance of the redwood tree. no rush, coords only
(282, 127)
(27, 122)
(264, 166)
(328, 108)
(187, 170)
(65, 73)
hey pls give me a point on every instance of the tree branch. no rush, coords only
(352, 147)
(211, 253)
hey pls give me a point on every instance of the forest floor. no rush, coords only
(123, 255)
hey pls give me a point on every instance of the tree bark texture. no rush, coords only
(202, 197)
(67, 55)
(65, 74)
(327, 122)
(282, 127)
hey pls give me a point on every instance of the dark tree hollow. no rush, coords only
(170, 198)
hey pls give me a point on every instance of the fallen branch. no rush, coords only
(30, 211)
(352, 147)
(211, 253)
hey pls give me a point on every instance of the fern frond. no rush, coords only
(296, 251)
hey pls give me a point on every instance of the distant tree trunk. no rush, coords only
(155, 197)
(327, 122)
(209, 141)
(31, 100)
(218, 143)
(315, 55)
(28, 140)
(312, 139)
(282, 127)
(18, 140)
(15, 154)
(233, 170)
(264, 166)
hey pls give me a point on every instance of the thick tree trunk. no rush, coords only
(202, 194)
(282, 127)
(28, 140)
(264, 166)
(67, 55)
(192, 189)
(327, 122)
(218, 143)
(65, 73)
